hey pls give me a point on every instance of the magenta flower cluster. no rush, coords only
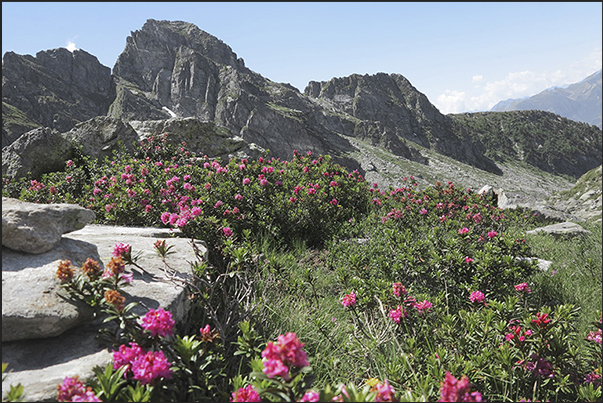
(477, 296)
(158, 322)
(73, 390)
(523, 287)
(457, 390)
(349, 300)
(283, 355)
(143, 366)
(400, 312)
(246, 394)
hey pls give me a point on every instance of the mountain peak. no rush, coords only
(580, 101)
(154, 47)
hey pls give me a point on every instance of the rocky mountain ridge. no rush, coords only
(174, 70)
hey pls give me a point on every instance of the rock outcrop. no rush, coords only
(45, 150)
(37, 228)
(47, 336)
(56, 88)
(390, 101)
(174, 69)
(569, 229)
(36, 152)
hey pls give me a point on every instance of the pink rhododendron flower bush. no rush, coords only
(322, 287)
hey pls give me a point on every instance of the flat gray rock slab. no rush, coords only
(562, 228)
(41, 364)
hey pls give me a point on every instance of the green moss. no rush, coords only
(14, 116)
(287, 112)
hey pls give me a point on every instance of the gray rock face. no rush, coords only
(174, 68)
(38, 151)
(57, 88)
(498, 196)
(395, 104)
(99, 136)
(41, 364)
(199, 136)
(37, 228)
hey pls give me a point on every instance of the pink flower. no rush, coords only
(121, 250)
(468, 259)
(398, 313)
(477, 296)
(425, 305)
(246, 394)
(227, 232)
(72, 390)
(158, 322)
(453, 390)
(246, 181)
(126, 355)
(541, 319)
(385, 393)
(398, 289)
(595, 336)
(150, 366)
(349, 299)
(334, 202)
(292, 199)
(206, 333)
(174, 218)
(148, 208)
(463, 230)
(87, 396)
(263, 182)
(523, 287)
(310, 396)
(238, 197)
(274, 368)
(69, 163)
(165, 217)
(127, 277)
(423, 211)
(286, 352)
(492, 234)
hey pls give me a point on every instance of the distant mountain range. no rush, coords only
(580, 101)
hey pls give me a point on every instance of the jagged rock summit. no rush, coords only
(56, 88)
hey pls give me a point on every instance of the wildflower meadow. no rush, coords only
(320, 286)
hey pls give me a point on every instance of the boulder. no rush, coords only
(38, 151)
(100, 136)
(498, 196)
(200, 137)
(561, 229)
(41, 364)
(37, 228)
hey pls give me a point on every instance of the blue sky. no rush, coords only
(462, 56)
